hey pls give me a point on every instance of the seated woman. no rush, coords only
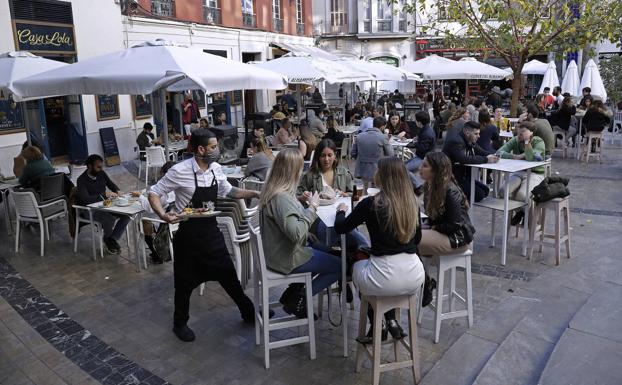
(259, 165)
(36, 167)
(306, 142)
(488, 133)
(333, 134)
(597, 117)
(397, 127)
(325, 172)
(285, 224)
(392, 218)
(285, 134)
(447, 208)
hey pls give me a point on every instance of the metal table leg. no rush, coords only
(344, 303)
(506, 214)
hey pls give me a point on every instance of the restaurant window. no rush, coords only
(163, 7)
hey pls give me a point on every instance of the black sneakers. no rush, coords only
(112, 246)
(184, 333)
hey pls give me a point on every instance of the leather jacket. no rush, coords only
(455, 221)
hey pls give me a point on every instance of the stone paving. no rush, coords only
(131, 312)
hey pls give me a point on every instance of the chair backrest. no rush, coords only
(52, 186)
(25, 203)
(617, 117)
(259, 260)
(252, 183)
(431, 113)
(345, 148)
(227, 228)
(155, 155)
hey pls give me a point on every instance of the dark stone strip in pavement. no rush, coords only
(606, 213)
(94, 356)
(502, 272)
(592, 177)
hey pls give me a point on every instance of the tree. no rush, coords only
(611, 73)
(517, 29)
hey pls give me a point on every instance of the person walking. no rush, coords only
(368, 148)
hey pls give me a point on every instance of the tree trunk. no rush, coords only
(517, 85)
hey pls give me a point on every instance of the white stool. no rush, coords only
(564, 148)
(596, 138)
(381, 305)
(539, 216)
(444, 263)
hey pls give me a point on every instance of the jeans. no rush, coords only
(113, 225)
(413, 167)
(481, 190)
(518, 185)
(326, 269)
(354, 239)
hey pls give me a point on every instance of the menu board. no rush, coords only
(109, 144)
(107, 107)
(11, 116)
(142, 106)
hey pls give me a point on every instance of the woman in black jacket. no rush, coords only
(597, 117)
(562, 116)
(447, 208)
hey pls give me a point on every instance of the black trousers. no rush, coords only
(481, 190)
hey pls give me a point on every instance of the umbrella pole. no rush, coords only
(162, 94)
(298, 102)
(27, 123)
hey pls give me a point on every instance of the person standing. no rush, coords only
(368, 148)
(200, 251)
(93, 186)
(316, 125)
(190, 113)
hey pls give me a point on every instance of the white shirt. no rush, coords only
(180, 179)
(165, 200)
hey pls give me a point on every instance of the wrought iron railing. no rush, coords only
(277, 24)
(300, 28)
(249, 20)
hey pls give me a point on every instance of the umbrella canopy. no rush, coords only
(591, 78)
(534, 67)
(146, 68)
(550, 78)
(305, 69)
(422, 66)
(17, 65)
(465, 68)
(381, 71)
(571, 81)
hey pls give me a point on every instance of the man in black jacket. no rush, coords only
(462, 149)
(92, 187)
(426, 141)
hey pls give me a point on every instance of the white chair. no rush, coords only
(595, 140)
(27, 209)
(154, 157)
(307, 163)
(345, 150)
(449, 263)
(616, 133)
(264, 279)
(560, 136)
(97, 232)
(142, 154)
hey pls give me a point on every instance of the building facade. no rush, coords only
(68, 128)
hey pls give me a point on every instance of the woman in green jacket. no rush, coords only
(325, 172)
(36, 167)
(285, 225)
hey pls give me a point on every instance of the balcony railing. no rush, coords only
(211, 15)
(385, 25)
(277, 24)
(249, 20)
(338, 28)
(300, 28)
(403, 26)
(367, 26)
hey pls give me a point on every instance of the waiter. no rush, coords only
(199, 247)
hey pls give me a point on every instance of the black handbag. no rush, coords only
(162, 241)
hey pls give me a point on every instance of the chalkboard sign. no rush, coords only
(11, 116)
(199, 97)
(236, 97)
(107, 107)
(41, 37)
(142, 106)
(109, 144)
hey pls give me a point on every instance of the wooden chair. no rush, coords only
(558, 206)
(593, 139)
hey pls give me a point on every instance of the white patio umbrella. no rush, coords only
(465, 68)
(534, 67)
(381, 71)
(17, 65)
(150, 67)
(591, 78)
(571, 81)
(550, 78)
(422, 66)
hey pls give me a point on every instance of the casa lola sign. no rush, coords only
(44, 38)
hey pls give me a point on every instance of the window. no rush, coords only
(390, 60)
(338, 15)
(163, 7)
(211, 12)
(299, 19)
(248, 14)
(211, 3)
(247, 6)
(367, 8)
(276, 9)
(384, 9)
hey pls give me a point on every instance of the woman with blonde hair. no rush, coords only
(306, 142)
(285, 225)
(393, 221)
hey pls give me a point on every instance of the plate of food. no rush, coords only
(327, 197)
(197, 213)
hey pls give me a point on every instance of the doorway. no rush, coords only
(55, 110)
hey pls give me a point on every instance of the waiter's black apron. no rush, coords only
(200, 250)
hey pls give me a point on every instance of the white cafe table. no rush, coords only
(506, 167)
(179, 145)
(134, 212)
(327, 214)
(348, 130)
(5, 187)
(400, 145)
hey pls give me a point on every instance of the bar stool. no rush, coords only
(564, 148)
(444, 263)
(557, 205)
(381, 305)
(596, 138)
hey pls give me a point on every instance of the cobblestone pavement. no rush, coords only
(106, 304)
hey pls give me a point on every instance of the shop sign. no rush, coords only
(46, 38)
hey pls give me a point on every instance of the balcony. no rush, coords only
(211, 15)
(367, 26)
(403, 27)
(385, 25)
(277, 25)
(300, 29)
(249, 20)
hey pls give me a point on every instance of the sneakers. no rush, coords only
(517, 218)
(369, 337)
(298, 307)
(184, 333)
(112, 247)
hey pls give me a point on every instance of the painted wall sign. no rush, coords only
(40, 37)
(142, 106)
(11, 116)
(107, 107)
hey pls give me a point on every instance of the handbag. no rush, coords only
(162, 242)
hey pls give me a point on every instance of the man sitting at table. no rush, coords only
(462, 150)
(526, 146)
(541, 128)
(91, 188)
(145, 139)
(426, 141)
